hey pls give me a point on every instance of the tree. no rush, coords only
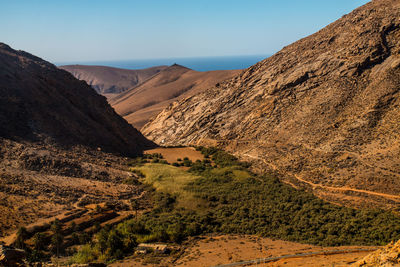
(22, 236)
(56, 226)
(56, 241)
(102, 238)
(129, 241)
(135, 206)
(84, 238)
(39, 241)
(177, 232)
(57, 238)
(114, 244)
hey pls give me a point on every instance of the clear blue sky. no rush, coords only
(89, 30)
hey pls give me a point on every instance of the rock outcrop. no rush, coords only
(41, 103)
(324, 111)
(387, 256)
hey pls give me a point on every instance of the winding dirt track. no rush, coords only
(331, 188)
(301, 255)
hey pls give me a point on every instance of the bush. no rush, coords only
(86, 254)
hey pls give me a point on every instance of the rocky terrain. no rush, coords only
(137, 105)
(41, 103)
(386, 256)
(110, 81)
(324, 111)
(55, 135)
(39, 181)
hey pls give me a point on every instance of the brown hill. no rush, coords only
(110, 81)
(323, 111)
(140, 103)
(39, 102)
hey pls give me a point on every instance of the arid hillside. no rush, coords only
(110, 81)
(41, 103)
(140, 103)
(54, 134)
(324, 111)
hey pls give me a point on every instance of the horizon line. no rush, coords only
(58, 63)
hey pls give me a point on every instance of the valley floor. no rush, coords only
(227, 249)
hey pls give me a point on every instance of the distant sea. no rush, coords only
(195, 63)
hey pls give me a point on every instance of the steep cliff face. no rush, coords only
(324, 111)
(41, 103)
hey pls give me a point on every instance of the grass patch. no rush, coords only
(170, 179)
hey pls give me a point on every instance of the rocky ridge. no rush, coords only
(41, 103)
(110, 81)
(323, 112)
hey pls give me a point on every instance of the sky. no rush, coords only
(98, 30)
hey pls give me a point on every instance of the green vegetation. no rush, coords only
(86, 254)
(57, 238)
(169, 179)
(234, 200)
(221, 195)
(146, 158)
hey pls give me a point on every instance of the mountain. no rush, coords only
(109, 81)
(324, 112)
(137, 105)
(41, 103)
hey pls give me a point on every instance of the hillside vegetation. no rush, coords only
(230, 199)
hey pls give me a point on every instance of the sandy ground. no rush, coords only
(224, 249)
(172, 154)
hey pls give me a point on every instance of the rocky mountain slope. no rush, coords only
(41, 103)
(324, 111)
(54, 134)
(140, 103)
(110, 81)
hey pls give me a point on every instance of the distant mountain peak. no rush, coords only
(175, 65)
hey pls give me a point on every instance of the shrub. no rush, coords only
(86, 254)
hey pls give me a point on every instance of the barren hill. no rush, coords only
(140, 103)
(39, 102)
(324, 111)
(54, 132)
(110, 81)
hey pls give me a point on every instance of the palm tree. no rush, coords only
(57, 238)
